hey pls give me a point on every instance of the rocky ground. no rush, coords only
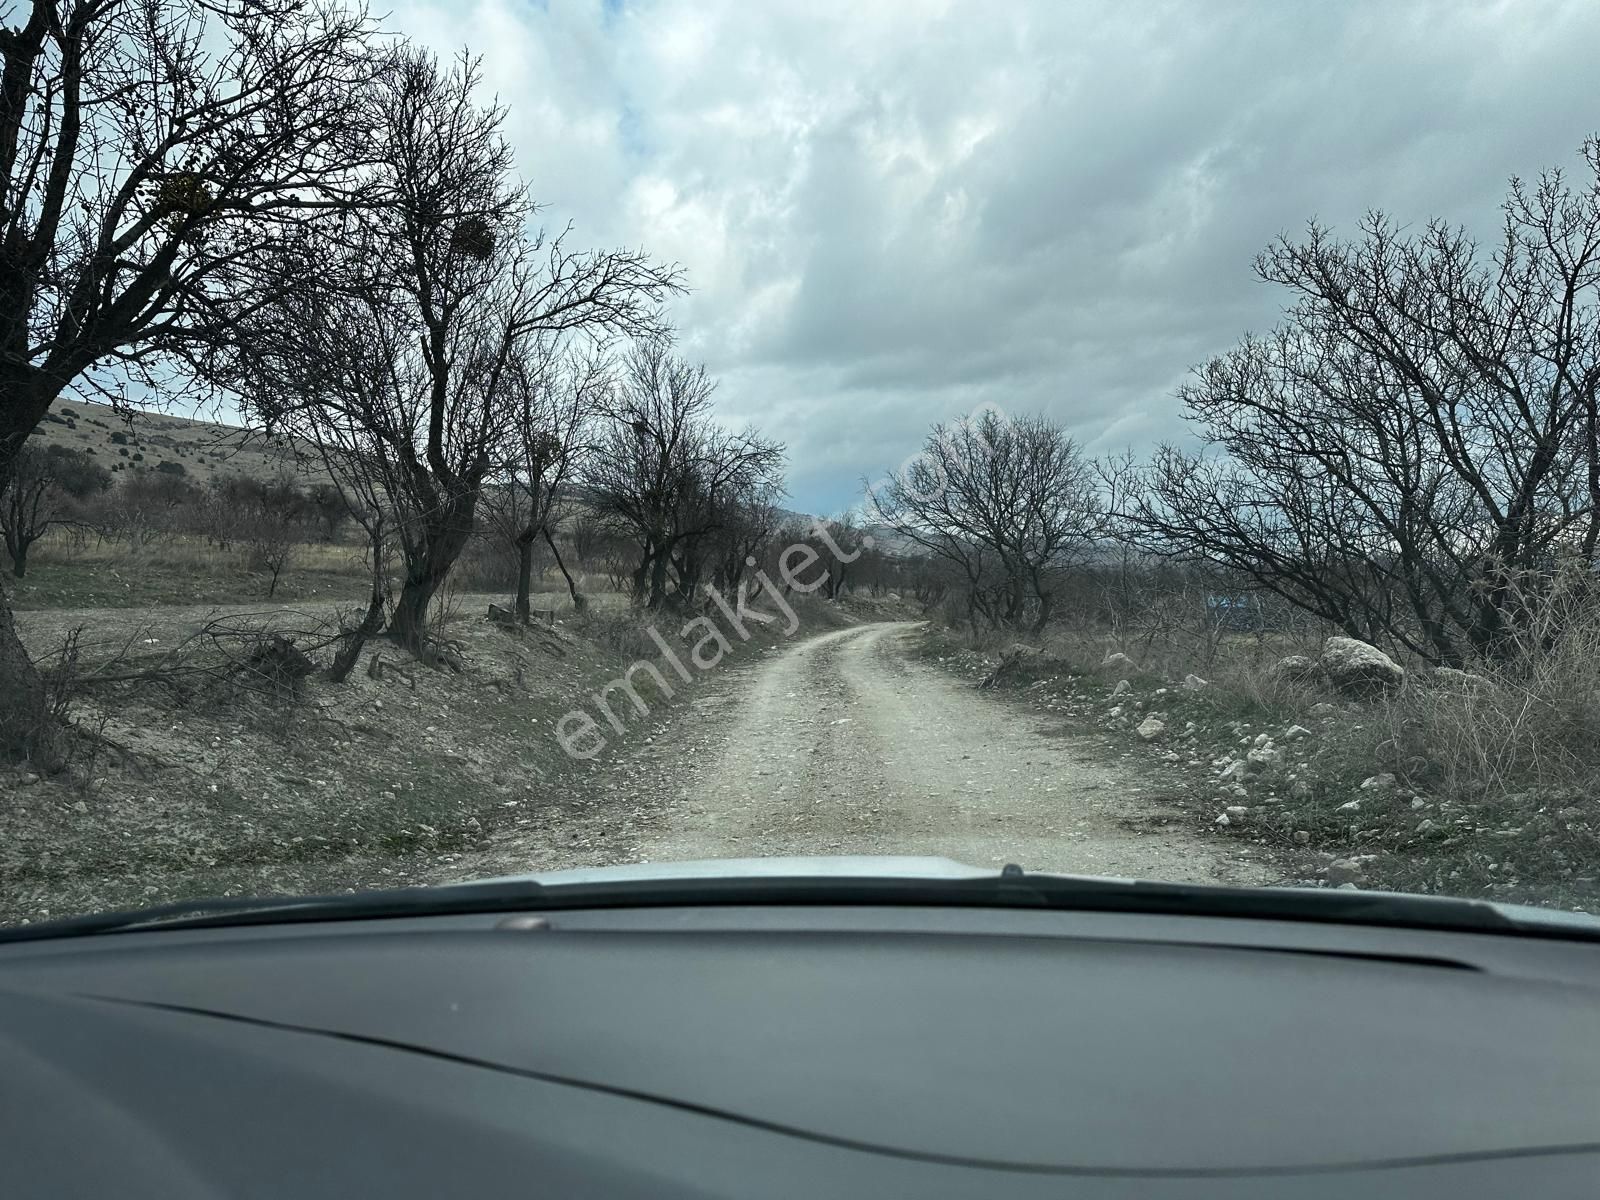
(1322, 768)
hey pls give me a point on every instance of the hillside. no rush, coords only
(131, 440)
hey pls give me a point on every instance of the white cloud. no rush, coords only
(891, 212)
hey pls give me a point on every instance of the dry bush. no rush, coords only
(624, 630)
(1532, 721)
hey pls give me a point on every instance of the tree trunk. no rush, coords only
(350, 653)
(25, 726)
(524, 574)
(19, 559)
(444, 537)
(1047, 604)
(658, 580)
(578, 601)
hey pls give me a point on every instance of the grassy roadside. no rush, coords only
(405, 778)
(1337, 792)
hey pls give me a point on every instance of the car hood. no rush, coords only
(930, 867)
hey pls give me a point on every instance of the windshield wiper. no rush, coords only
(1012, 888)
(256, 910)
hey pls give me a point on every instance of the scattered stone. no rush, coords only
(80, 807)
(1193, 683)
(1300, 789)
(1122, 688)
(1151, 727)
(1237, 813)
(1223, 819)
(1118, 665)
(1347, 887)
(1426, 825)
(1359, 669)
(1378, 783)
(1301, 836)
(1235, 769)
(29, 779)
(1344, 870)
(1263, 738)
(1295, 733)
(1264, 756)
(1349, 806)
(1324, 709)
(1418, 802)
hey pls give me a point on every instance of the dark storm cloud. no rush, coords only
(892, 212)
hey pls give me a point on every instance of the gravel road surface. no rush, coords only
(847, 744)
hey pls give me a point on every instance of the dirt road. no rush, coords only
(846, 744)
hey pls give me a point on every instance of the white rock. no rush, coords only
(1223, 819)
(1426, 825)
(1378, 783)
(1296, 732)
(1193, 683)
(1236, 769)
(1237, 813)
(1344, 870)
(1349, 806)
(1359, 669)
(1119, 665)
(1301, 837)
(1265, 756)
(1151, 727)
(1122, 688)
(1324, 709)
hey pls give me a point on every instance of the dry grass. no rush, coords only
(1495, 791)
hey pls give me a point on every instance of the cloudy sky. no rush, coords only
(892, 211)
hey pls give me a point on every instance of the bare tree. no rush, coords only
(664, 473)
(155, 155)
(1415, 452)
(273, 527)
(1009, 501)
(553, 402)
(412, 329)
(748, 533)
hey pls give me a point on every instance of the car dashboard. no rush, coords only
(747, 1050)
